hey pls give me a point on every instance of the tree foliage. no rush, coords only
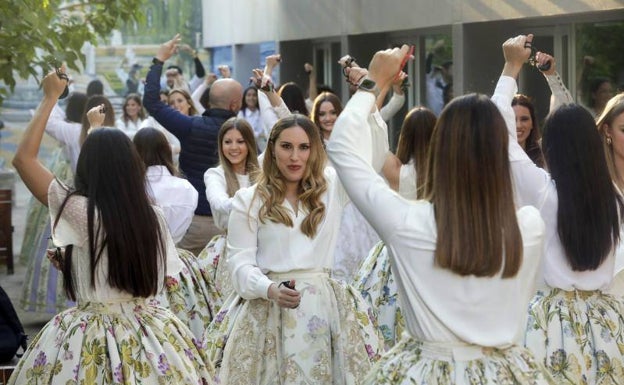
(36, 35)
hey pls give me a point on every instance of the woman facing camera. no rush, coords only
(295, 323)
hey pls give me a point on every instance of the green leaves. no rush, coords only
(37, 35)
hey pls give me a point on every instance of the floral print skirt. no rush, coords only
(578, 335)
(126, 342)
(375, 281)
(188, 295)
(331, 338)
(213, 264)
(415, 362)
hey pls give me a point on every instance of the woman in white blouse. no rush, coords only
(404, 172)
(132, 115)
(465, 259)
(295, 323)
(186, 291)
(238, 168)
(573, 326)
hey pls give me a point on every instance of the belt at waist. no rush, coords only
(299, 274)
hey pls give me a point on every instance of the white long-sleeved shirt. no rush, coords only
(67, 133)
(217, 196)
(534, 186)
(438, 305)
(175, 196)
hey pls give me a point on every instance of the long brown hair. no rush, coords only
(137, 99)
(469, 184)
(613, 109)
(120, 218)
(271, 189)
(252, 167)
(324, 97)
(154, 149)
(414, 142)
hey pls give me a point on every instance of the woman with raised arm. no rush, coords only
(116, 244)
(404, 172)
(42, 290)
(574, 327)
(465, 259)
(238, 168)
(295, 324)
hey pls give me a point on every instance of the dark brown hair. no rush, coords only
(414, 141)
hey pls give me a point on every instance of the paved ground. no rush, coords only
(12, 284)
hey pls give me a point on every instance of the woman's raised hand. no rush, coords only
(386, 65)
(542, 58)
(516, 51)
(96, 116)
(54, 83)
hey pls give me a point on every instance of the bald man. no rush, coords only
(198, 139)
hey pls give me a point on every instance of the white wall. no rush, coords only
(253, 21)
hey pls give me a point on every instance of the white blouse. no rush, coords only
(534, 186)
(67, 133)
(438, 305)
(175, 196)
(130, 127)
(255, 248)
(72, 229)
(407, 180)
(217, 196)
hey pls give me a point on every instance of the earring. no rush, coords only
(609, 141)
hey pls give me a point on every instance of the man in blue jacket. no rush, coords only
(197, 136)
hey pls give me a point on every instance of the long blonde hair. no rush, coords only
(271, 189)
(251, 163)
(613, 109)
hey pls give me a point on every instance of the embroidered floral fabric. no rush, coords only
(578, 335)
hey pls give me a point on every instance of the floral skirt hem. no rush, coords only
(330, 338)
(578, 335)
(126, 342)
(414, 362)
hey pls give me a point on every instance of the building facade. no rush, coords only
(585, 36)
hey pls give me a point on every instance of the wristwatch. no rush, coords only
(156, 61)
(369, 86)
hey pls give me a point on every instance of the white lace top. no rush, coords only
(72, 230)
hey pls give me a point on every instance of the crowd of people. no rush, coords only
(216, 234)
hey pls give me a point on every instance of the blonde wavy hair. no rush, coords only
(251, 163)
(271, 189)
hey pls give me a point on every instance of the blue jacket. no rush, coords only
(197, 135)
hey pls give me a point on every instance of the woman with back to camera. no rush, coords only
(238, 168)
(186, 292)
(116, 244)
(295, 323)
(465, 259)
(574, 327)
(405, 172)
